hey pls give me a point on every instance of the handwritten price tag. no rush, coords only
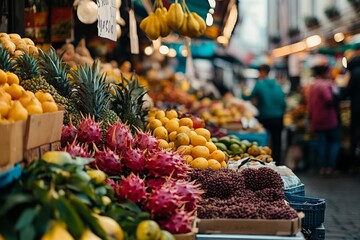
(107, 19)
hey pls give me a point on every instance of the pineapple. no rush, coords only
(92, 94)
(128, 102)
(26, 67)
(6, 63)
(55, 71)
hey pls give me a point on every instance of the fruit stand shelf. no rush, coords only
(298, 236)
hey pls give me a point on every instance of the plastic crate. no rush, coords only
(315, 234)
(261, 138)
(10, 175)
(298, 190)
(313, 208)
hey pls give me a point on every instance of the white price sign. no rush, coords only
(107, 19)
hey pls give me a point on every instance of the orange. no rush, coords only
(163, 144)
(211, 146)
(49, 107)
(29, 93)
(25, 100)
(181, 139)
(184, 149)
(200, 163)
(44, 96)
(4, 96)
(161, 133)
(203, 132)
(186, 122)
(200, 151)
(192, 133)
(198, 140)
(3, 77)
(170, 114)
(34, 107)
(12, 78)
(223, 164)
(214, 164)
(15, 91)
(172, 125)
(218, 155)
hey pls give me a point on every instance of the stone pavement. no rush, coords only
(342, 194)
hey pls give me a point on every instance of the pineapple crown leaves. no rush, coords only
(128, 101)
(90, 89)
(26, 66)
(55, 71)
(6, 63)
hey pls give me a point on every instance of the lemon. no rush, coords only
(163, 144)
(12, 78)
(211, 146)
(148, 230)
(184, 149)
(161, 133)
(200, 151)
(203, 132)
(200, 163)
(171, 114)
(184, 129)
(160, 114)
(172, 136)
(197, 140)
(181, 139)
(218, 155)
(186, 122)
(214, 164)
(155, 123)
(3, 77)
(188, 158)
(172, 125)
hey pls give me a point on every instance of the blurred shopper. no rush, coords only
(270, 101)
(324, 122)
(352, 91)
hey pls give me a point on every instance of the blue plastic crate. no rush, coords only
(10, 175)
(313, 208)
(298, 190)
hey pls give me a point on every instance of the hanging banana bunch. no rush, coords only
(179, 18)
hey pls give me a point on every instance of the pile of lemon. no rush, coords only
(17, 104)
(179, 135)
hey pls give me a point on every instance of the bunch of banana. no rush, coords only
(179, 18)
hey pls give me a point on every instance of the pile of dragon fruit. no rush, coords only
(155, 179)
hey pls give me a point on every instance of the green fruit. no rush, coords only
(246, 142)
(165, 235)
(235, 140)
(243, 147)
(236, 149)
(225, 140)
(57, 157)
(97, 176)
(214, 139)
(221, 146)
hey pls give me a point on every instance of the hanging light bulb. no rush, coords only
(87, 11)
(209, 19)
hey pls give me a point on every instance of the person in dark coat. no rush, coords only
(352, 91)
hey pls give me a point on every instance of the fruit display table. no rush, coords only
(298, 236)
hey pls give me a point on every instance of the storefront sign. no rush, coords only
(107, 19)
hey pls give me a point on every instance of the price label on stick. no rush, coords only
(107, 19)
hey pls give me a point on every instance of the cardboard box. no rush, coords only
(43, 129)
(186, 236)
(250, 226)
(36, 153)
(12, 142)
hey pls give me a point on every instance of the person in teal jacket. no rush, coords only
(270, 101)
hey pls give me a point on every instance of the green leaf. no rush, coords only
(26, 218)
(28, 233)
(15, 199)
(91, 221)
(42, 220)
(69, 215)
(101, 191)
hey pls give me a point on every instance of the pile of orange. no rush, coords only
(16, 103)
(179, 135)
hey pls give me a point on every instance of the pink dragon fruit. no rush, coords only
(145, 141)
(111, 182)
(68, 134)
(163, 202)
(131, 188)
(166, 163)
(77, 150)
(89, 131)
(189, 192)
(108, 161)
(134, 160)
(179, 222)
(154, 183)
(119, 137)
